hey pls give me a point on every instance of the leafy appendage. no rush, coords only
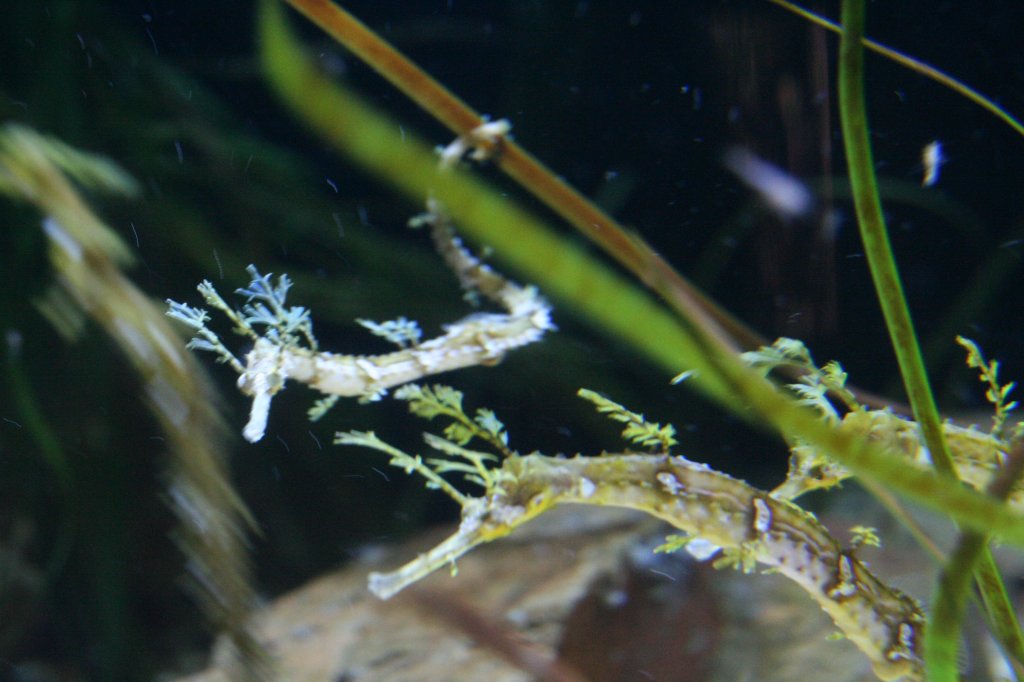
(809, 469)
(205, 339)
(977, 456)
(406, 462)
(743, 557)
(638, 430)
(996, 393)
(322, 407)
(674, 543)
(864, 536)
(815, 384)
(697, 547)
(444, 401)
(432, 401)
(473, 466)
(401, 332)
(265, 307)
(266, 320)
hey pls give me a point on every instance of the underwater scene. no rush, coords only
(508, 341)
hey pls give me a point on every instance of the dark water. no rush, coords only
(633, 103)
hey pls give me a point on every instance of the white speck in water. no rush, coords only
(152, 40)
(931, 159)
(663, 574)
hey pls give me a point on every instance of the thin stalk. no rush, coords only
(853, 118)
(950, 600)
(875, 237)
(914, 65)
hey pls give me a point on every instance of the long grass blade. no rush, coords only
(584, 285)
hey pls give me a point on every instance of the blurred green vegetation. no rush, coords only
(622, 100)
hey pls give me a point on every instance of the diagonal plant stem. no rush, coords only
(610, 302)
(874, 236)
(628, 249)
(950, 598)
(702, 313)
(884, 273)
(915, 65)
(702, 325)
(336, 116)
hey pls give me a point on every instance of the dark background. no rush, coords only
(633, 103)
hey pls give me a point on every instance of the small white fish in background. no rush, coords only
(931, 159)
(785, 194)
